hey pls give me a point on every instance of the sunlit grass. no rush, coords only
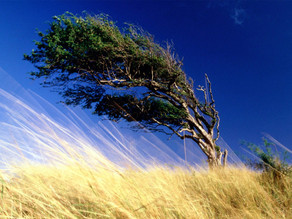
(76, 190)
(55, 170)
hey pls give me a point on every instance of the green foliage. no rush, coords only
(217, 148)
(268, 160)
(132, 108)
(95, 44)
(83, 57)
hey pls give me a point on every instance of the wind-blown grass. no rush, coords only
(53, 169)
(74, 190)
(88, 185)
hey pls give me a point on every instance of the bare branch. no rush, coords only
(172, 129)
(210, 90)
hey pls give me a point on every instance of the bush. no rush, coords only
(268, 160)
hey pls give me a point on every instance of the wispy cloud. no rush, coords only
(238, 15)
(236, 12)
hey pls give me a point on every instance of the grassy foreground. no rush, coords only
(62, 172)
(78, 191)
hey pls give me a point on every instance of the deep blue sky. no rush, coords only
(244, 46)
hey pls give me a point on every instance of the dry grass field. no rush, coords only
(53, 171)
(74, 189)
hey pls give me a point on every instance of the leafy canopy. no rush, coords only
(83, 57)
(122, 74)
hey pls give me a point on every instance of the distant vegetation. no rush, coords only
(268, 159)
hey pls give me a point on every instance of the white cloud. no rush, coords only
(232, 7)
(238, 15)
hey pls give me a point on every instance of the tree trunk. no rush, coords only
(215, 158)
(213, 163)
(225, 158)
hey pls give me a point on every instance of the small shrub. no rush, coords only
(270, 161)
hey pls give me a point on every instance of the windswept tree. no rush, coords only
(125, 74)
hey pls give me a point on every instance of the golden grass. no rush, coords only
(78, 191)
(77, 181)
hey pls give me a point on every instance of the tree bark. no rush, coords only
(225, 158)
(215, 157)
